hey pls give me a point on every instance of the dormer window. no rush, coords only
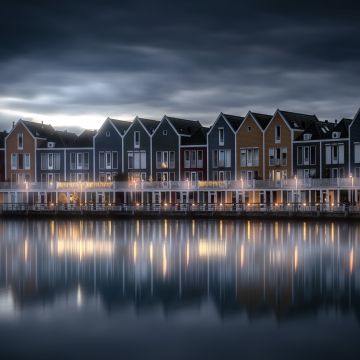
(307, 136)
(277, 134)
(107, 134)
(50, 144)
(221, 136)
(336, 134)
(136, 139)
(20, 141)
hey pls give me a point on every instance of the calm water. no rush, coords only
(179, 290)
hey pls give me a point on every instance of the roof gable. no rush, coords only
(183, 127)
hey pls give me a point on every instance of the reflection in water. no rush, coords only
(256, 268)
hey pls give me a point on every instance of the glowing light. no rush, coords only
(211, 248)
(187, 253)
(79, 297)
(84, 248)
(242, 256)
(351, 260)
(135, 251)
(296, 258)
(164, 264)
(26, 249)
(151, 252)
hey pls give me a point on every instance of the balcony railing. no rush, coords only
(239, 185)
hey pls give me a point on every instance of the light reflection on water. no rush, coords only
(194, 272)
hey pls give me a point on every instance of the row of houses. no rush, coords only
(257, 146)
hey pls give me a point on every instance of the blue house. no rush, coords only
(109, 150)
(166, 141)
(138, 149)
(221, 145)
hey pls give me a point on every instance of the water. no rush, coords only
(179, 290)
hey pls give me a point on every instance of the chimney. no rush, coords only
(326, 121)
(335, 121)
(13, 124)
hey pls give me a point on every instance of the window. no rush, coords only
(130, 160)
(72, 161)
(107, 134)
(20, 161)
(221, 136)
(86, 161)
(108, 159)
(277, 158)
(200, 159)
(158, 159)
(101, 160)
(277, 134)
(357, 153)
(164, 132)
(215, 159)
(50, 162)
(249, 128)
(136, 139)
(186, 159)
(242, 157)
(300, 155)
(20, 138)
(143, 159)
(328, 154)
(136, 160)
(193, 159)
(172, 159)
(13, 161)
(284, 156)
(271, 157)
(80, 161)
(228, 158)
(221, 158)
(306, 155)
(114, 159)
(312, 155)
(334, 154)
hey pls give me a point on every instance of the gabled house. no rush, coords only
(193, 156)
(109, 150)
(138, 149)
(282, 130)
(307, 150)
(250, 146)
(2, 155)
(335, 151)
(21, 145)
(79, 158)
(221, 147)
(51, 156)
(166, 141)
(354, 146)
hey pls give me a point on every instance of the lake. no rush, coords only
(176, 289)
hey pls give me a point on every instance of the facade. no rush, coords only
(108, 150)
(80, 158)
(138, 149)
(51, 156)
(354, 146)
(307, 150)
(166, 141)
(193, 156)
(20, 150)
(221, 147)
(335, 151)
(279, 135)
(2, 155)
(250, 146)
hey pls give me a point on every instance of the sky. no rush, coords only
(74, 63)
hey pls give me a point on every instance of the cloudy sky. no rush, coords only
(75, 63)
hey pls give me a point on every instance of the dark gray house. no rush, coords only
(307, 148)
(166, 142)
(137, 149)
(354, 146)
(51, 156)
(221, 147)
(108, 150)
(335, 151)
(80, 158)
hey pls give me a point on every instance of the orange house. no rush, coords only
(20, 150)
(279, 134)
(250, 146)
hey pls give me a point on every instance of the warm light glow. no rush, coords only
(84, 185)
(84, 248)
(151, 252)
(187, 253)
(296, 258)
(242, 256)
(351, 260)
(211, 248)
(26, 249)
(135, 251)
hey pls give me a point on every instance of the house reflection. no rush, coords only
(259, 268)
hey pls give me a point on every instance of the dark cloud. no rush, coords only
(64, 61)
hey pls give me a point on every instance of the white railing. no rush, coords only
(286, 184)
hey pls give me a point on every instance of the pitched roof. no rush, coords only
(150, 125)
(342, 126)
(262, 119)
(184, 126)
(318, 130)
(298, 121)
(39, 129)
(85, 139)
(3, 135)
(198, 138)
(120, 125)
(233, 120)
(62, 139)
